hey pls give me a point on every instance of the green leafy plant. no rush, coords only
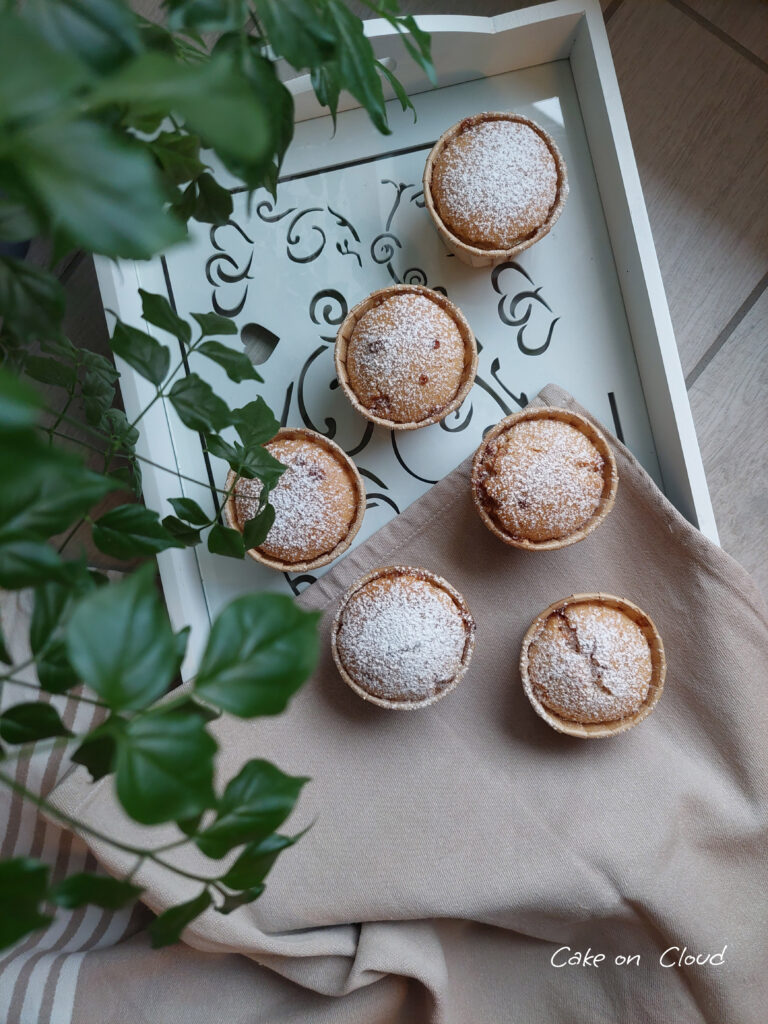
(106, 126)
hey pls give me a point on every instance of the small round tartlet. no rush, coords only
(593, 665)
(544, 478)
(494, 184)
(402, 637)
(405, 357)
(319, 502)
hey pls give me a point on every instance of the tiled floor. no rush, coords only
(694, 77)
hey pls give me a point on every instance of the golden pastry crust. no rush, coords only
(543, 478)
(590, 663)
(495, 183)
(593, 665)
(405, 358)
(402, 637)
(318, 501)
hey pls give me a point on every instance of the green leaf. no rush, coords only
(23, 887)
(224, 541)
(186, 508)
(179, 156)
(255, 862)
(237, 365)
(260, 650)
(205, 15)
(17, 223)
(157, 310)
(50, 371)
(35, 77)
(213, 204)
(295, 31)
(255, 530)
(27, 723)
(164, 768)
(103, 192)
(98, 387)
(19, 404)
(98, 890)
(54, 671)
(24, 563)
(325, 82)
(98, 751)
(213, 324)
(186, 536)
(167, 928)
(103, 33)
(141, 351)
(196, 404)
(357, 63)
(234, 900)
(257, 464)
(121, 643)
(214, 99)
(115, 423)
(397, 86)
(31, 301)
(253, 805)
(131, 530)
(5, 656)
(255, 422)
(45, 489)
(189, 826)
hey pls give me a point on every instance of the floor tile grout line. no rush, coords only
(727, 331)
(611, 9)
(716, 31)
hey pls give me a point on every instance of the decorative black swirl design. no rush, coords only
(295, 237)
(295, 582)
(461, 424)
(364, 440)
(373, 498)
(265, 211)
(330, 422)
(415, 275)
(508, 308)
(521, 399)
(328, 313)
(402, 462)
(219, 277)
(229, 224)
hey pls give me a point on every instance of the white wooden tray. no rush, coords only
(584, 308)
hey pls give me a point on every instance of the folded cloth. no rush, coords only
(458, 848)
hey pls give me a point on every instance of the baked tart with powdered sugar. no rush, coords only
(319, 502)
(494, 184)
(405, 357)
(593, 665)
(402, 637)
(544, 478)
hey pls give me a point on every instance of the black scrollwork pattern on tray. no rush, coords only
(305, 234)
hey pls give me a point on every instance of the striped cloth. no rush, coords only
(38, 976)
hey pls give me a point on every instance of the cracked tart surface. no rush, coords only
(593, 664)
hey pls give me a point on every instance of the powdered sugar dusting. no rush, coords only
(402, 637)
(405, 358)
(543, 479)
(495, 183)
(315, 502)
(590, 663)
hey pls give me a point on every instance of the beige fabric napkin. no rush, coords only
(458, 847)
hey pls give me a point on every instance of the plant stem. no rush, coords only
(79, 826)
(34, 686)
